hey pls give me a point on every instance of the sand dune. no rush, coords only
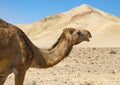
(104, 27)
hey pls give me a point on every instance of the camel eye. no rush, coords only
(79, 33)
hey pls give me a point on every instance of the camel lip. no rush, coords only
(87, 38)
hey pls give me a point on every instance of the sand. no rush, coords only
(104, 27)
(84, 66)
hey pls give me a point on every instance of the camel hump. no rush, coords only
(3, 24)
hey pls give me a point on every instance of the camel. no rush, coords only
(18, 53)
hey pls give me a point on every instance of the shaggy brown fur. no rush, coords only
(17, 53)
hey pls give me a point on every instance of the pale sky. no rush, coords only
(28, 11)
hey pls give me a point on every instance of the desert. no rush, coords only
(90, 63)
(84, 66)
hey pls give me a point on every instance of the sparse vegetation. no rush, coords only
(113, 52)
(33, 83)
(87, 83)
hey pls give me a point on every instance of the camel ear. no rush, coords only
(70, 30)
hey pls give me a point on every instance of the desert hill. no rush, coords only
(104, 27)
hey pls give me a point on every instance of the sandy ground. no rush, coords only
(84, 66)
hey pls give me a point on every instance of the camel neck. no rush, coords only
(59, 52)
(48, 58)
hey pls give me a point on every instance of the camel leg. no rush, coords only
(19, 77)
(2, 79)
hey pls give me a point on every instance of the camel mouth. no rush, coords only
(86, 35)
(87, 38)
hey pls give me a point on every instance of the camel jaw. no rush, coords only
(87, 38)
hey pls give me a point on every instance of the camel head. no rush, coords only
(76, 36)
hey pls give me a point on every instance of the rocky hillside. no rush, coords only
(104, 27)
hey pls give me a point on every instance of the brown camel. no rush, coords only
(17, 53)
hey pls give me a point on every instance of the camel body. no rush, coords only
(17, 53)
